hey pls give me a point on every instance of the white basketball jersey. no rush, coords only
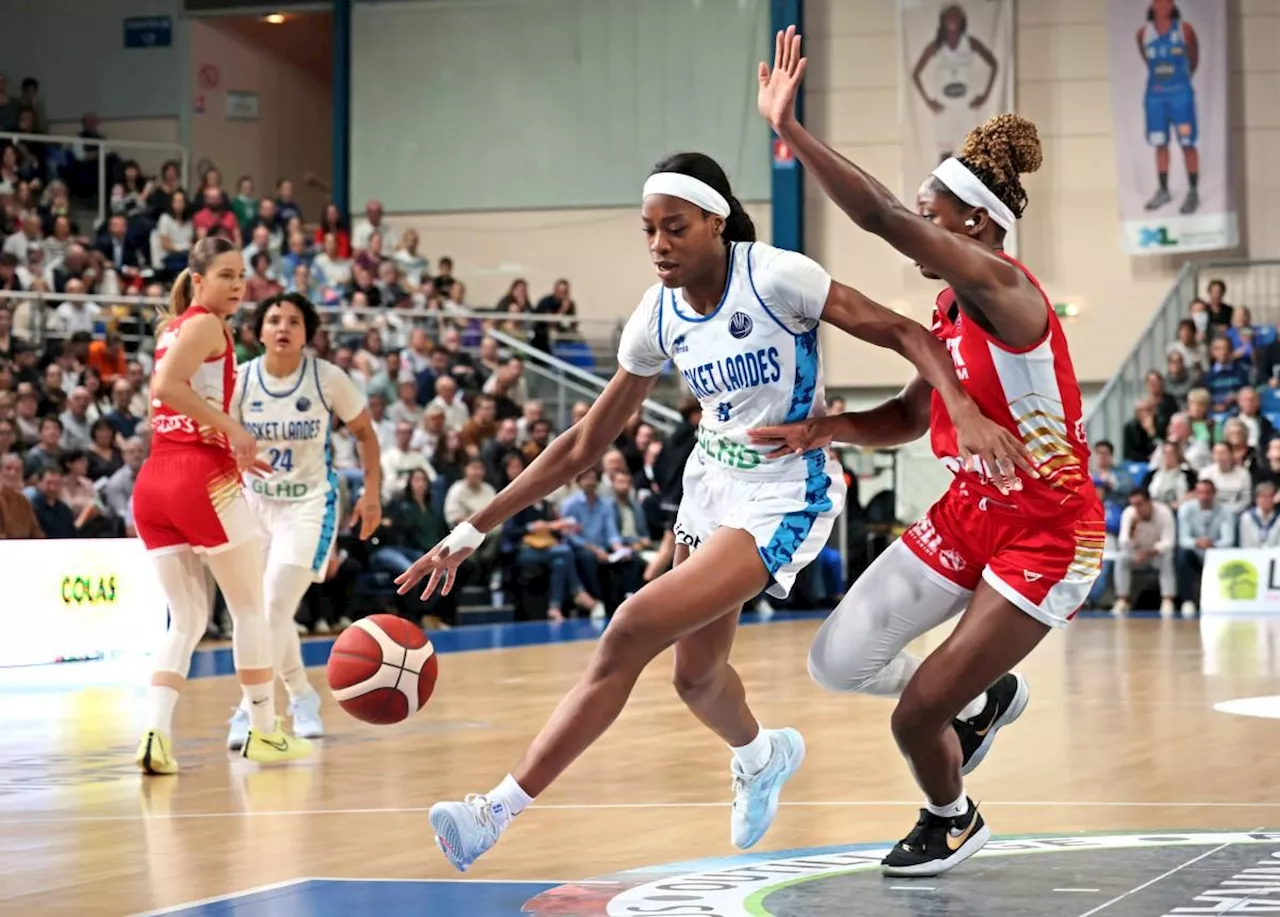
(750, 363)
(291, 419)
(955, 68)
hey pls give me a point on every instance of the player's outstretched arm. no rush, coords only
(562, 461)
(902, 419)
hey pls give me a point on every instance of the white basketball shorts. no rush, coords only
(789, 520)
(300, 533)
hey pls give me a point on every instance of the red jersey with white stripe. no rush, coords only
(214, 381)
(1030, 391)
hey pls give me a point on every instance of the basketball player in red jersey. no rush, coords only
(190, 510)
(1018, 561)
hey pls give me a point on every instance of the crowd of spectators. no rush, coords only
(1199, 462)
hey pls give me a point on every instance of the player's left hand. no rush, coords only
(790, 438)
(988, 448)
(776, 98)
(369, 512)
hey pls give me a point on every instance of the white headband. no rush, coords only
(687, 188)
(969, 188)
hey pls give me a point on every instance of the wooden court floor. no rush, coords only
(1122, 736)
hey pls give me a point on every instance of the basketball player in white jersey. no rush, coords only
(288, 401)
(739, 319)
(954, 102)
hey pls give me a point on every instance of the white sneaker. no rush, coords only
(1166, 608)
(755, 796)
(306, 716)
(300, 628)
(598, 611)
(239, 729)
(321, 627)
(765, 609)
(1189, 609)
(1120, 608)
(465, 830)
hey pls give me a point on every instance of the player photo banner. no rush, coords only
(956, 71)
(1169, 71)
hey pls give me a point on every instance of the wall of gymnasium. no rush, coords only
(292, 134)
(1070, 234)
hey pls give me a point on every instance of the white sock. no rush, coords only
(753, 756)
(973, 708)
(161, 701)
(262, 712)
(511, 796)
(955, 810)
(296, 684)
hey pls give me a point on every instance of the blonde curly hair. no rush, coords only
(1001, 150)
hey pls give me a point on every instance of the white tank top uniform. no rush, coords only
(292, 419)
(752, 362)
(955, 90)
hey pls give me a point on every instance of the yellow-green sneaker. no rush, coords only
(274, 747)
(154, 757)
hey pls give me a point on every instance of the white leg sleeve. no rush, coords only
(239, 573)
(860, 646)
(181, 575)
(286, 584)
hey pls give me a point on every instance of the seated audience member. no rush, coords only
(482, 426)
(1173, 480)
(1194, 355)
(449, 460)
(538, 440)
(1178, 379)
(463, 368)
(383, 425)
(431, 432)
(77, 314)
(118, 491)
(406, 410)
(1266, 364)
(1165, 404)
(1258, 527)
(47, 452)
(448, 400)
(55, 517)
(1115, 482)
(415, 527)
(508, 388)
(121, 417)
(17, 515)
(496, 450)
(633, 523)
(399, 461)
(1146, 543)
(466, 498)
(1235, 433)
(1141, 432)
(533, 536)
(26, 416)
(104, 458)
(1225, 376)
(1240, 334)
(77, 422)
(81, 497)
(1195, 452)
(107, 358)
(1260, 429)
(1269, 468)
(1202, 524)
(1230, 480)
(1219, 312)
(597, 546)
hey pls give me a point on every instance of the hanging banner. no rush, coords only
(1169, 72)
(957, 71)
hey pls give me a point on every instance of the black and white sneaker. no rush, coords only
(937, 844)
(1006, 700)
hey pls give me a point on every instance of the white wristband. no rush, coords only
(465, 535)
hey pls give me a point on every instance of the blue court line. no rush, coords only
(207, 663)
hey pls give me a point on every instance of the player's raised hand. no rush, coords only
(369, 513)
(790, 438)
(988, 448)
(776, 97)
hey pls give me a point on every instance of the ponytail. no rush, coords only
(738, 225)
(202, 254)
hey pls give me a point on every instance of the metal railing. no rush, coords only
(1255, 284)
(104, 147)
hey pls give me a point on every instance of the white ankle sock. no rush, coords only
(161, 701)
(509, 794)
(262, 712)
(298, 686)
(753, 756)
(973, 708)
(955, 810)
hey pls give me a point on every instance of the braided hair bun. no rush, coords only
(1001, 150)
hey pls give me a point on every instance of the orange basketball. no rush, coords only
(382, 669)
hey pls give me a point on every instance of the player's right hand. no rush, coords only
(440, 563)
(790, 438)
(776, 97)
(245, 448)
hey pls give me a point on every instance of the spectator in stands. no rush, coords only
(1241, 333)
(482, 426)
(508, 388)
(77, 425)
(1202, 524)
(300, 281)
(362, 283)
(416, 526)
(1219, 311)
(295, 255)
(17, 515)
(1194, 354)
(1224, 377)
(534, 536)
(104, 458)
(245, 205)
(496, 451)
(467, 497)
(55, 517)
(260, 243)
(1178, 380)
(159, 198)
(125, 257)
(121, 416)
(605, 567)
(1269, 468)
(77, 314)
(450, 402)
(1173, 479)
(400, 460)
(633, 525)
(410, 262)
(8, 432)
(332, 271)
(1141, 432)
(63, 256)
(1165, 404)
(518, 294)
(174, 234)
(1236, 435)
(27, 417)
(406, 410)
(333, 222)
(371, 223)
(1230, 480)
(285, 203)
(1146, 543)
(47, 452)
(81, 497)
(9, 106)
(118, 490)
(386, 381)
(444, 280)
(1257, 526)
(540, 434)
(431, 432)
(1113, 481)
(371, 256)
(216, 216)
(463, 368)
(559, 303)
(1203, 428)
(261, 285)
(30, 237)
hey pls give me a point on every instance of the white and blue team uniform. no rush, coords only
(1170, 98)
(752, 362)
(292, 418)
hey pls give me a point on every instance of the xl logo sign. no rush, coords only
(1155, 236)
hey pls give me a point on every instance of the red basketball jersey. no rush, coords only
(214, 381)
(1031, 391)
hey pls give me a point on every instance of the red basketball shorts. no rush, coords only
(191, 498)
(1045, 567)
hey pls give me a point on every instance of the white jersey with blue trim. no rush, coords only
(750, 363)
(292, 418)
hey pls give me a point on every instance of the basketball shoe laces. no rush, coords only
(492, 820)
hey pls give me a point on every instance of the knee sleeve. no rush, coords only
(239, 572)
(286, 584)
(182, 577)
(860, 647)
